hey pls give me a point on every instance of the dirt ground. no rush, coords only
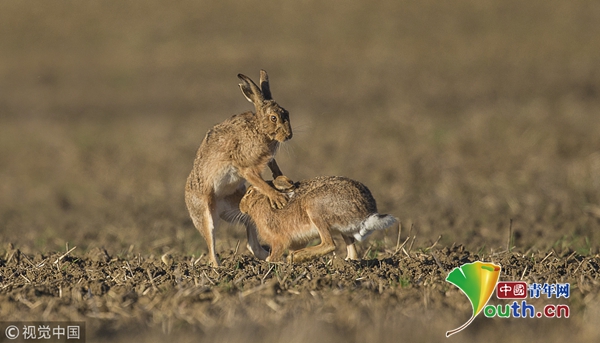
(468, 120)
(398, 294)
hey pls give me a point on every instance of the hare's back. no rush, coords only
(337, 194)
(230, 128)
(229, 140)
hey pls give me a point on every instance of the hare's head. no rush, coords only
(252, 197)
(273, 119)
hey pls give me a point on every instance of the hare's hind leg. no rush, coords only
(350, 248)
(203, 213)
(230, 210)
(326, 246)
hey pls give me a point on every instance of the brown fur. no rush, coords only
(316, 207)
(232, 152)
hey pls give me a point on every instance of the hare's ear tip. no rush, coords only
(283, 178)
(283, 183)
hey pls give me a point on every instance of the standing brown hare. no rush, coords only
(316, 208)
(232, 152)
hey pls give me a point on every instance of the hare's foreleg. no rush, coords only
(229, 209)
(350, 248)
(253, 242)
(203, 213)
(326, 246)
(276, 253)
(279, 244)
(274, 168)
(276, 198)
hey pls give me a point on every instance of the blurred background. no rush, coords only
(459, 116)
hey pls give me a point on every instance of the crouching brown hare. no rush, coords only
(232, 152)
(316, 207)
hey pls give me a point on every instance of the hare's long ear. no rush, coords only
(251, 90)
(264, 85)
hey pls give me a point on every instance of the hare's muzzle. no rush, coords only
(289, 135)
(283, 134)
(287, 130)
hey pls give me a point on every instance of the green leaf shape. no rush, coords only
(478, 281)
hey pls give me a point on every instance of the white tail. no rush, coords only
(374, 222)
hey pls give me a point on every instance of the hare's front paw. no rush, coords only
(278, 200)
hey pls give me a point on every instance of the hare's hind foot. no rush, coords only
(326, 246)
(310, 253)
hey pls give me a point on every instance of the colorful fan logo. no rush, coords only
(478, 281)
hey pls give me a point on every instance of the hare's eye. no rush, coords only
(274, 119)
